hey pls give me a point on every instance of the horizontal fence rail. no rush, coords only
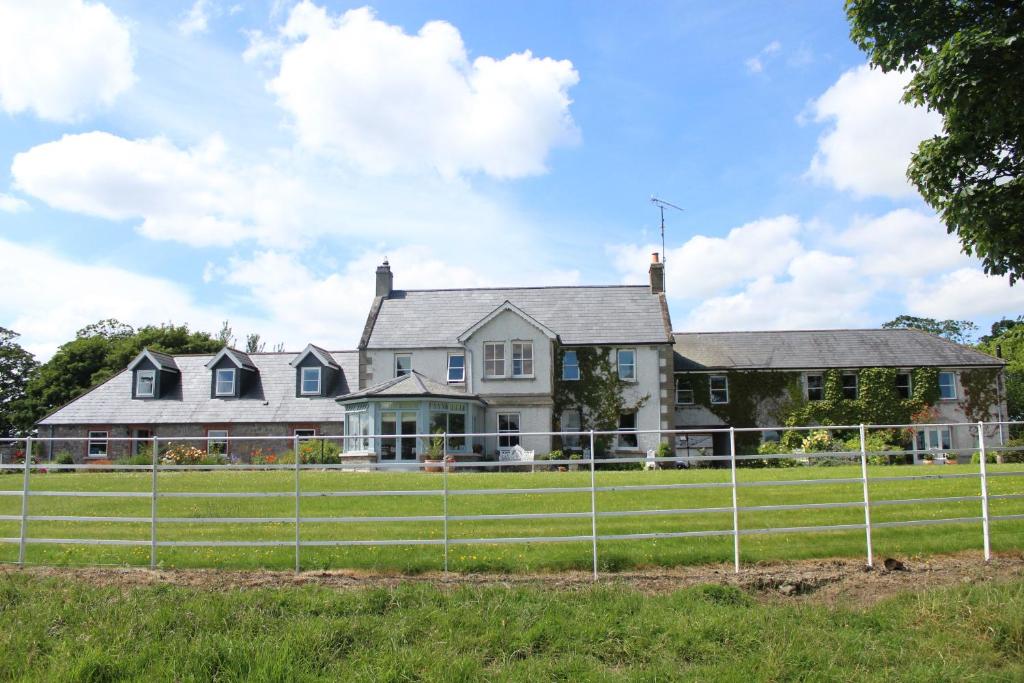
(443, 490)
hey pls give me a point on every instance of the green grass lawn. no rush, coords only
(61, 629)
(613, 555)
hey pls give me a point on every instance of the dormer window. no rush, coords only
(311, 381)
(225, 385)
(145, 383)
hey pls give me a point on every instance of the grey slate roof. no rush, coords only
(413, 385)
(579, 315)
(272, 399)
(819, 349)
(162, 361)
(240, 358)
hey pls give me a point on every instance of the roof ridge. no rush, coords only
(484, 289)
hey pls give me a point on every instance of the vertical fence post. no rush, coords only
(867, 501)
(298, 506)
(152, 524)
(444, 475)
(593, 503)
(24, 502)
(735, 505)
(984, 491)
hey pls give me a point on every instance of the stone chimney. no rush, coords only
(657, 275)
(385, 280)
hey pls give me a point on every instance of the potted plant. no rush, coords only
(927, 458)
(951, 458)
(432, 463)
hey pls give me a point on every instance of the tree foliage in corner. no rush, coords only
(16, 366)
(967, 61)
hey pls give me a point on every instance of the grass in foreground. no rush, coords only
(613, 555)
(63, 629)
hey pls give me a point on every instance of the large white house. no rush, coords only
(514, 363)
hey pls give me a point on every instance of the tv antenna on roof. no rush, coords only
(661, 204)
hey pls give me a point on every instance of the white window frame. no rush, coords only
(494, 361)
(505, 435)
(302, 380)
(572, 440)
(98, 438)
(217, 381)
(304, 433)
(679, 392)
(619, 365)
(952, 385)
(856, 385)
(566, 365)
(217, 436)
(357, 430)
(139, 376)
(712, 390)
(525, 349)
(403, 372)
(462, 370)
(910, 384)
(820, 387)
(627, 433)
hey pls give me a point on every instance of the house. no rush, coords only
(455, 361)
(766, 379)
(494, 368)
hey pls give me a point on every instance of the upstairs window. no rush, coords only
(403, 364)
(145, 383)
(522, 359)
(718, 385)
(494, 359)
(570, 366)
(903, 387)
(225, 384)
(456, 368)
(947, 385)
(627, 364)
(850, 386)
(310, 381)
(684, 392)
(815, 387)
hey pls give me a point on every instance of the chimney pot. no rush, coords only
(654, 257)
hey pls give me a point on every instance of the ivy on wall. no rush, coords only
(778, 397)
(597, 394)
(980, 392)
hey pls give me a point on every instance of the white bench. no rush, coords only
(515, 454)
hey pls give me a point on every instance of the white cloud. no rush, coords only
(46, 297)
(755, 64)
(965, 293)
(902, 244)
(389, 101)
(704, 266)
(62, 58)
(192, 196)
(871, 133)
(821, 290)
(12, 204)
(196, 19)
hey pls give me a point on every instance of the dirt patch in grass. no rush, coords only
(836, 581)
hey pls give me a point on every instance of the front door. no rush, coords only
(402, 425)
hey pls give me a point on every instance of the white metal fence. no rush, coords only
(443, 491)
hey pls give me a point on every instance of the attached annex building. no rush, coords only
(464, 361)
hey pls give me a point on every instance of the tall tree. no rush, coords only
(967, 61)
(959, 331)
(16, 365)
(1010, 343)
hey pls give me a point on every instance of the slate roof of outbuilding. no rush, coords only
(819, 349)
(434, 318)
(272, 399)
(413, 385)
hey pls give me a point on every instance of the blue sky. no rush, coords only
(202, 161)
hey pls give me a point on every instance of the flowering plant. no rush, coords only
(180, 454)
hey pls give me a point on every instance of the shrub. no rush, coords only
(772, 448)
(313, 452)
(64, 458)
(137, 459)
(181, 454)
(664, 450)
